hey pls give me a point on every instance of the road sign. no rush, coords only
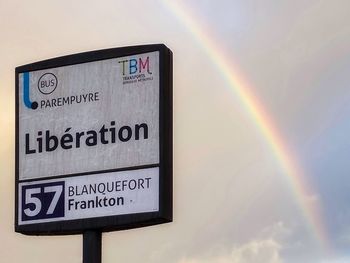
(94, 141)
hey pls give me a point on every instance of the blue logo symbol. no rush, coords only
(30, 105)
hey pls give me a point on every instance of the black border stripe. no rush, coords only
(89, 56)
(131, 168)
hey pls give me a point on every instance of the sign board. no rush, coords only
(94, 141)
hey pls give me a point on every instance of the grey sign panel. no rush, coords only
(99, 116)
(94, 121)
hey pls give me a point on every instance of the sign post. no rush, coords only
(92, 246)
(94, 143)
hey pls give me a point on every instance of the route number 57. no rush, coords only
(42, 201)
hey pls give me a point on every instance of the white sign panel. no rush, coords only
(105, 194)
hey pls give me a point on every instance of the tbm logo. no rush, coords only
(133, 66)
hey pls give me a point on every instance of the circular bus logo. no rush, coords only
(47, 83)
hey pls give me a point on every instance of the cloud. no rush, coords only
(278, 231)
(256, 251)
(265, 247)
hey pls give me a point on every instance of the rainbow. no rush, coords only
(303, 192)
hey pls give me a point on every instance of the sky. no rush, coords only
(261, 137)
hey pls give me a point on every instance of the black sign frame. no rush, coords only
(118, 222)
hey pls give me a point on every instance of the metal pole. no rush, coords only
(92, 246)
